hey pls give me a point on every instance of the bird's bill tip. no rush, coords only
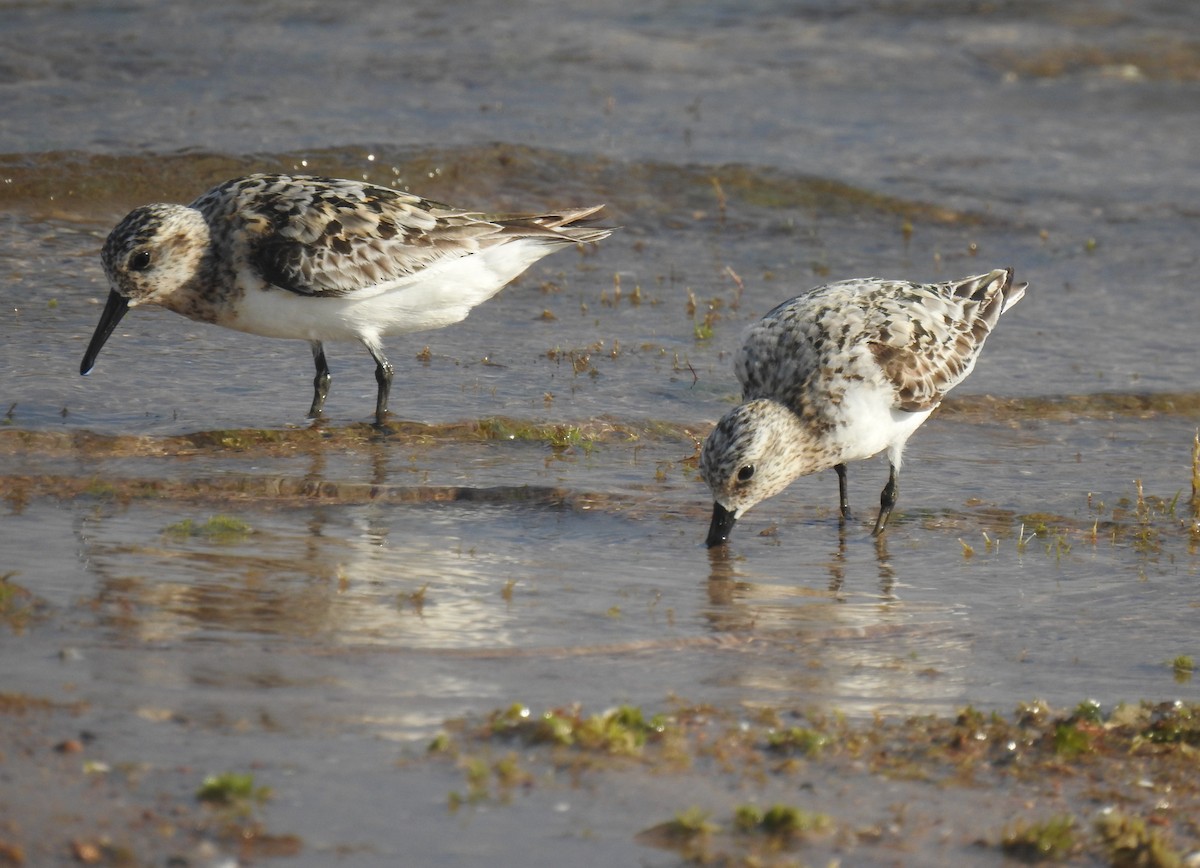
(722, 523)
(115, 308)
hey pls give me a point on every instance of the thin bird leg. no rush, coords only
(843, 498)
(383, 376)
(322, 381)
(887, 500)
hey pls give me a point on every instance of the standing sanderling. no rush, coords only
(839, 374)
(294, 256)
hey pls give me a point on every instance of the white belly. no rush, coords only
(870, 423)
(434, 297)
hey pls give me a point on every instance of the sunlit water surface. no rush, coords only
(748, 152)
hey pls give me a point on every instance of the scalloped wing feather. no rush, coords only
(928, 337)
(332, 237)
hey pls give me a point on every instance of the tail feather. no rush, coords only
(1012, 292)
(567, 226)
(994, 292)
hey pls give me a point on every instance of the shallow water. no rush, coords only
(478, 555)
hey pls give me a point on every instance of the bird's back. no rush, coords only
(916, 340)
(330, 237)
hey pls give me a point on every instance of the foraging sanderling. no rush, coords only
(839, 374)
(322, 259)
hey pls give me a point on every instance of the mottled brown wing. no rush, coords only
(330, 237)
(326, 236)
(929, 336)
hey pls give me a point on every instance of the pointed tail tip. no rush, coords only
(575, 224)
(1013, 292)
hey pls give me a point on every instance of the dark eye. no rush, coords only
(746, 473)
(140, 260)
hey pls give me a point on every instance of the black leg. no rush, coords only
(843, 498)
(887, 500)
(322, 381)
(383, 376)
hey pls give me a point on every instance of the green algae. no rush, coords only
(1012, 754)
(798, 740)
(234, 799)
(689, 823)
(232, 789)
(1130, 844)
(490, 779)
(1052, 839)
(1070, 740)
(557, 436)
(1183, 666)
(1172, 723)
(218, 528)
(622, 731)
(779, 820)
(1089, 711)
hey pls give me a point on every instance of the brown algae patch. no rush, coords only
(1064, 408)
(315, 439)
(73, 184)
(21, 703)
(1196, 477)
(766, 189)
(1118, 788)
(560, 440)
(1154, 59)
(315, 442)
(1154, 527)
(18, 608)
(277, 492)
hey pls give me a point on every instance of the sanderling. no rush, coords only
(321, 259)
(839, 374)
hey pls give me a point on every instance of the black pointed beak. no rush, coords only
(114, 309)
(722, 524)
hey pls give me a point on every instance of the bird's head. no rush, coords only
(152, 257)
(754, 452)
